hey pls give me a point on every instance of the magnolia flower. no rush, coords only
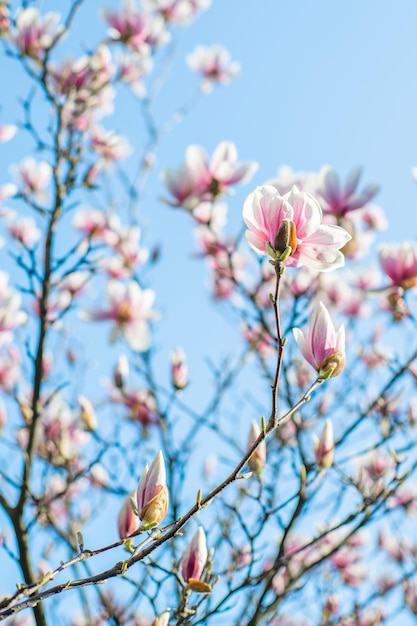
(200, 179)
(323, 347)
(130, 26)
(340, 201)
(195, 557)
(121, 371)
(214, 64)
(399, 262)
(110, 145)
(257, 460)
(127, 521)
(130, 308)
(179, 370)
(291, 225)
(324, 447)
(177, 11)
(152, 493)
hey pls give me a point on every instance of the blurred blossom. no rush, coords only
(214, 64)
(140, 402)
(152, 493)
(179, 369)
(130, 308)
(340, 200)
(127, 521)
(33, 34)
(7, 132)
(132, 69)
(177, 11)
(32, 176)
(110, 145)
(287, 178)
(399, 262)
(129, 26)
(99, 476)
(87, 413)
(259, 340)
(75, 282)
(200, 179)
(292, 223)
(7, 191)
(11, 316)
(4, 19)
(323, 347)
(10, 374)
(24, 229)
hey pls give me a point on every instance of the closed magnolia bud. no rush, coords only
(179, 370)
(333, 365)
(88, 414)
(152, 493)
(127, 521)
(324, 447)
(257, 460)
(195, 557)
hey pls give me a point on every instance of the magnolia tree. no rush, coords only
(285, 498)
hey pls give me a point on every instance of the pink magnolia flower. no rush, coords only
(140, 402)
(127, 521)
(293, 222)
(7, 191)
(214, 64)
(195, 557)
(35, 34)
(324, 447)
(200, 179)
(87, 413)
(4, 19)
(33, 176)
(132, 69)
(286, 178)
(323, 347)
(152, 493)
(179, 370)
(257, 460)
(7, 132)
(340, 201)
(399, 262)
(130, 308)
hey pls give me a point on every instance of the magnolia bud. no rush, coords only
(333, 365)
(257, 460)
(324, 447)
(195, 557)
(127, 521)
(179, 370)
(286, 237)
(121, 372)
(152, 493)
(88, 414)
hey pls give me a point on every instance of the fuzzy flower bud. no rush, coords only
(257, 460)
(324, 447)
(152, 494)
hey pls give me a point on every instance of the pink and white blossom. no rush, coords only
(323, 347)
(215, 65)
(177, 11)
(130, 26)
(201, 179)
(179, 369)
(127, 522)
(258, 459)
(130, 308)
(292, 223)
(109, 144)
(24, 229)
